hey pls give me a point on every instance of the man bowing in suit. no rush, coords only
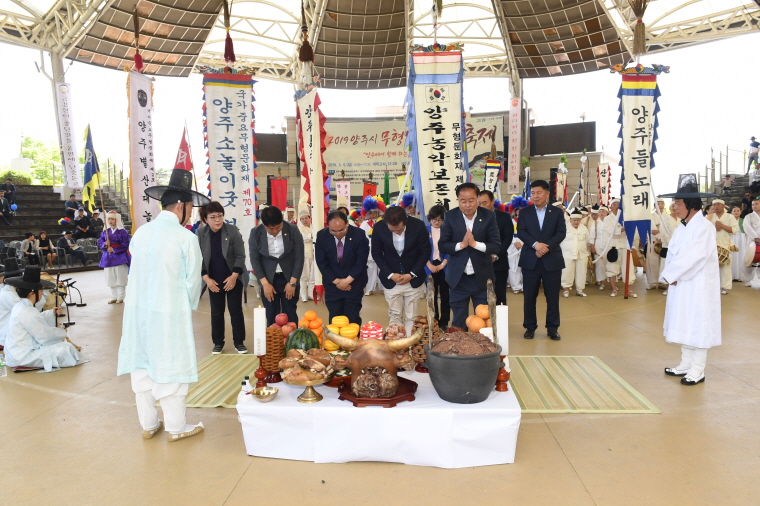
(400, 248)
(469, 236)
(341, 253)
(542, 228)
(506, 233)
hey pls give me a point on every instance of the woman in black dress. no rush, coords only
(44, 245)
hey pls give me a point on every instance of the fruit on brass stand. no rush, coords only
(301, 339)
(404, 360)
(373, 364)
(311, 365)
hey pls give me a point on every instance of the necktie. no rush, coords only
(340, 252)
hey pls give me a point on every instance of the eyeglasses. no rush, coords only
(215, 217)
(338, 232)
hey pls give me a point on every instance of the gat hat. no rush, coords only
(12, 268)
(719, 201)
(583, 211)
(752, 138)
(688, 188)
(179, 189)
(30, 280)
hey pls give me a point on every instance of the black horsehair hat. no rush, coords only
(11, 268)
(688, 188)
(30, 280)
(179, 189)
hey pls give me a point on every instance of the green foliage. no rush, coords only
(18, 176)
(563, 158)
(162, 176)
(44, 154)
(525, 161)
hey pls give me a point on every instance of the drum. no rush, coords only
(724, 256)
(756, 259)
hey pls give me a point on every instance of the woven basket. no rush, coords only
(275, 349)
(420, 324)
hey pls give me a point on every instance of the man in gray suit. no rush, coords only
(276, 249)
(224, 273)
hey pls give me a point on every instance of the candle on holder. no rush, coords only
(259, 331)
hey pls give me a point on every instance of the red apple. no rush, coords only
(275, 326)
(281, 319)
(288, 328)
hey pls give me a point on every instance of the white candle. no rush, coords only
(502, 328)
(259, 331)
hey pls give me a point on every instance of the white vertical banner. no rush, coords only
(229, 143)
(603, 183)
(514, 151)
(142, 171)
(72, 177)
(491, 179)
(638, 131)
(343, 189)
(440, 142)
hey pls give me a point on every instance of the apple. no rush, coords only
(288, 328)
(274, 325)
(281, 319)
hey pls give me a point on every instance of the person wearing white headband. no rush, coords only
(307, 274)
(114, 243)
(615, 261)
(597, 240)
(654, 245)
(725, 226)
(290, 212)
(575, 251)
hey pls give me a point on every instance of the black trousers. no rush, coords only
(552, 281)
(467, 289)
(7, 219)
(280, 303)
(234, 300)
(32, 259)
(350, 307)
(500, 286)
(441, 289)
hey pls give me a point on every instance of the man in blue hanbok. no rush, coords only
(157, 343)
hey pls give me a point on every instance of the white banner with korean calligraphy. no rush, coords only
(142, 171)
(514, 150)
(354, 149)
(603, 180)
(480, 134)
(638, 110)
(72, 177)
(343, 189)
(230, 136)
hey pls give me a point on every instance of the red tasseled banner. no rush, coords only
(229, 51)
(138, 62)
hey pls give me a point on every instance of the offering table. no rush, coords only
(426, 432)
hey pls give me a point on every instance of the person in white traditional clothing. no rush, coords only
(596, 241)
(372, 217)
(615, 253)
(157, 344)
(307, 274)
(725, 226)
(738, 271)
(291, 214)
(8, 296)
(692, 310)
(31, 338)
(654, 246)
(752, 252)
(575, 251)
(668, 225)
(513, 253)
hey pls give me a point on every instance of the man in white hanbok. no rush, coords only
(31, 337)
(157, 343)
(618, 240)
(725, 226)
(575, 252)
(307, 274)
(692, 311)
(368, 225)
(514, 277)
(655, 243)
(8, 296)
(738, 271)
(596, 241)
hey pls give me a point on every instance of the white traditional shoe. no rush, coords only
(580, 294)
(112, 301)
(566, 294)
(368, 293)
(723, 292)
(690, 380)
(614, 293)
(601, 287)
(197, 429)
(304, 299)
(664, 292)
(748, 284)
(631, 294)
(147, 434)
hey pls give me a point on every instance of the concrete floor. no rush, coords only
(72, 437)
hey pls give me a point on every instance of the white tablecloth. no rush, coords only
(425, 432)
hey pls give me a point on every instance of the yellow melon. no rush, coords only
(340, 321)
(476, 323)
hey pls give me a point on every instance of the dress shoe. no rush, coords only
(554, 335)
(690, 380)
(529, 333)
(673, 371)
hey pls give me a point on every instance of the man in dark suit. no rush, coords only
(341, 253)
(224, 273)
(8, 190)
(276, 250)
(542, 228)
(506, 233)
(469, 236)
(401, 248)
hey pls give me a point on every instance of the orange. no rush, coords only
(469, 319)
(309, 315)
(476, 324)
(318, 331)
(488, 322)
(482, 312)
(316, 323)
(304, 323)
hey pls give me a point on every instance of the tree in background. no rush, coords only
(18, 176)
(43, 155)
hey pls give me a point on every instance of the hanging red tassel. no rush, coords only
(229, 51)
(138, 62)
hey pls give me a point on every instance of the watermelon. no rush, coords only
(301, 339)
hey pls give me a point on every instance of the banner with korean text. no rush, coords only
(72, 177)
(230, 140)
(142, 170)
(436, 128)
(480, 134)
(514, 150)
(354, 149)
(604, 183)
(638, 131)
